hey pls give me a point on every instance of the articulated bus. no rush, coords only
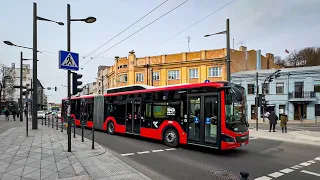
(209, 114)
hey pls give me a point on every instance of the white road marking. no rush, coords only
(275, 174)
(170, 149)
(287, 170)
(127, 154)
(312, 162)
(143, 152)
(296, 167)
(305, 164)
(318, 158)
(311, 173)
(263, 178)
(158, 150)
(252, 138)
(6, 125)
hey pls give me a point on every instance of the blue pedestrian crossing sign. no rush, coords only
(208, 120)
(195, 119)
(68, 60)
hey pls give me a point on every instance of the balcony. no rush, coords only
(307, 95)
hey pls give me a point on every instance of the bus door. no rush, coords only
(204, 119)
(133, 116)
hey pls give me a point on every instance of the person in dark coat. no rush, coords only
(7, 113)
(14, 113)
(272, 121)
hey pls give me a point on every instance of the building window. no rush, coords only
(174, 74)
(282, 109)
(139, 77)
(215, 72)
(193, 73)
(266, 87)
(250, 88)
(123, 78)
(317, 86)
(280, 88)
(156, 76)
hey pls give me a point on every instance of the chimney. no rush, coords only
(258, 63)
(269, 58)
(116, 58)
(243, 48)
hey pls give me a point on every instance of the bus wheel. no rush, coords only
(110, 128)
(171, 137)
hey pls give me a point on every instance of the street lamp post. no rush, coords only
(21, 83)
(35, 67)
(227, 32)
(87, 20)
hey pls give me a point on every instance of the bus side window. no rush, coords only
(77, 108)
(90, 111)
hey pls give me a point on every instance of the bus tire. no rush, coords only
(110, 127)
(171, 137)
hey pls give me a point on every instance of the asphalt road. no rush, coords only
(260, 158)
(291, 127)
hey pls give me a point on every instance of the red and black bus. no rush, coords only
(209, 114)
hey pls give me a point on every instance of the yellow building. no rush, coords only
(191, 67)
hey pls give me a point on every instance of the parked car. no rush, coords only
(41, 114)
(58, 114)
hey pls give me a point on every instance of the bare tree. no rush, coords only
(279, 61)
(7, 83)
(309, 56)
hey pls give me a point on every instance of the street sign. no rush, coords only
(68, 60)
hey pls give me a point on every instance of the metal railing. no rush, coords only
(303, 94)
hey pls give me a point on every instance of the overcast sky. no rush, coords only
(269, 25)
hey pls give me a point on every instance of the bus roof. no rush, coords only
(160, 88)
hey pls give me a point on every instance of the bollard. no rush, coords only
(42, 119)
(92, 136)
(52, 119)
(48, 121)
(74, 128)
(244, 175)
(82, 139)
(57, 123)
(45, 120)
(61, 125)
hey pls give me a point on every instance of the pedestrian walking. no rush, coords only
(284, 122)
(14, 113)
(7, 113)
(273, 118)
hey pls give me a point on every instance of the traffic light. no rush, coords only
(55, 88)
(76, 83)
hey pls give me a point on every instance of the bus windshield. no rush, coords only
(236, 118)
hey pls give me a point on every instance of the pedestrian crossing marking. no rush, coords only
(69, 61)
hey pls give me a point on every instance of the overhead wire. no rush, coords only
(138, 31)
(197, 22)
(126, 29)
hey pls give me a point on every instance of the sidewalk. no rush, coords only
(298, 137)
(260, 121)
(43, 155)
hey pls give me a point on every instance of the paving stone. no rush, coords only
(53, 177)
(28, 170)
(59, 158)
(33, 153)
(3, 168)
(22, 161)
(9, 177)
(17, 158)
(45, 163)
(61, 166)
(38, 156)
(65, 175)
(33, 175)
(46, 173)
(49, 159)
(45, 155)
(16, 172)
(78, 169)
(36, 164)
(29, 161)
(4, 156)
(68, 170)
(13, 167)
(65, 161)
(82, 173)
(52, 167)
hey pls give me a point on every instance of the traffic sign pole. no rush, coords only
(69, 74)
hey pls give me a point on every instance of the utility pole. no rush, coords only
(257, 99)
(151, 72)
(189, 38)
(228, 51)
(21, 72)
(35, 69)
(31, 95)
(69, 78)
(102, 83)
